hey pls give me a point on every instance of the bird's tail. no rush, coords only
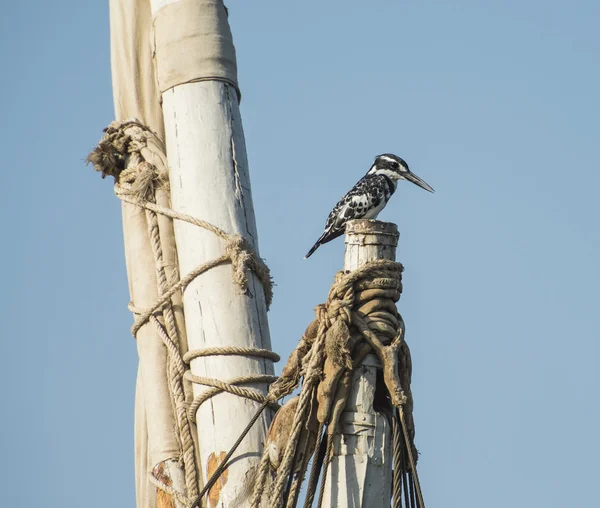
(313, 248)
(327, 236)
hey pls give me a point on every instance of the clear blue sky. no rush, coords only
(495, 104)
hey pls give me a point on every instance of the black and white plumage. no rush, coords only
(368, 197)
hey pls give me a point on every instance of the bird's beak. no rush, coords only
(411, 177)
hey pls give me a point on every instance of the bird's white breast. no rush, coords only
(374, 212)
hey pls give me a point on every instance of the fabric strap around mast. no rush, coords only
(180, 29)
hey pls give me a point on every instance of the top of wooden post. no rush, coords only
(372, 231)
(367, 240)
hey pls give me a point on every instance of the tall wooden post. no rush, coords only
(360, 473)
(208, 173)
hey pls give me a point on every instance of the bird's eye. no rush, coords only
(395, 165)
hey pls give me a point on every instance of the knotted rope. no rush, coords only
(135, 157)
(359, 316)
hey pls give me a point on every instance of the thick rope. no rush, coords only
(175, 376)
(230, 350)
(363, 299)
(175, 366)
(411, 459)
(311, 380)
(313, 480)
(119, 154)
(326, 462)
(294, 492)
(261, 479)
(398, 469)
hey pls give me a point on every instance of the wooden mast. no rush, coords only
(360, 472)
(208, 173)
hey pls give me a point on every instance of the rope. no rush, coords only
(398, 465)
(119, 154)
(230, 350)
(237, 250)
(234, 254)
(311, 379)
(178, 395)
(359, 316)
(311, 489)
(229, 386)
(261, 478)
(175, 367)
(328, 456)
(413, 469)
(290, 481)
(294, 492)
(134, 184)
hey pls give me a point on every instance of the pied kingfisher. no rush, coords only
(368, 197)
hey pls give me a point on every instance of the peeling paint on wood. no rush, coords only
(211, 466)
(163, 500)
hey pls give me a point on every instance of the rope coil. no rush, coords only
(358, 317)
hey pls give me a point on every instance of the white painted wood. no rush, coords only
(175, 473)
(203, 132)
(360, 473)
(208, 173)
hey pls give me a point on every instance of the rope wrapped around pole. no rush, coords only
(359, 316)
(135, 157)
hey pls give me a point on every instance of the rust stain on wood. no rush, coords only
(163, 500)
(213, 463)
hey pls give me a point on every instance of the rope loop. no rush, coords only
(231, 350)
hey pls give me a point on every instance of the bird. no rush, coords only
(368, 197)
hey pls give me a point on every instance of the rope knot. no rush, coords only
(339, 309)
(237, 249)
(338, 316)
(141, 180)
(244, 258)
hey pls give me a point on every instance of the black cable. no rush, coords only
(224, 464)
(317, 462)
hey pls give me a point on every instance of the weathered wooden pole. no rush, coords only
(208, 174)
(360, 472)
